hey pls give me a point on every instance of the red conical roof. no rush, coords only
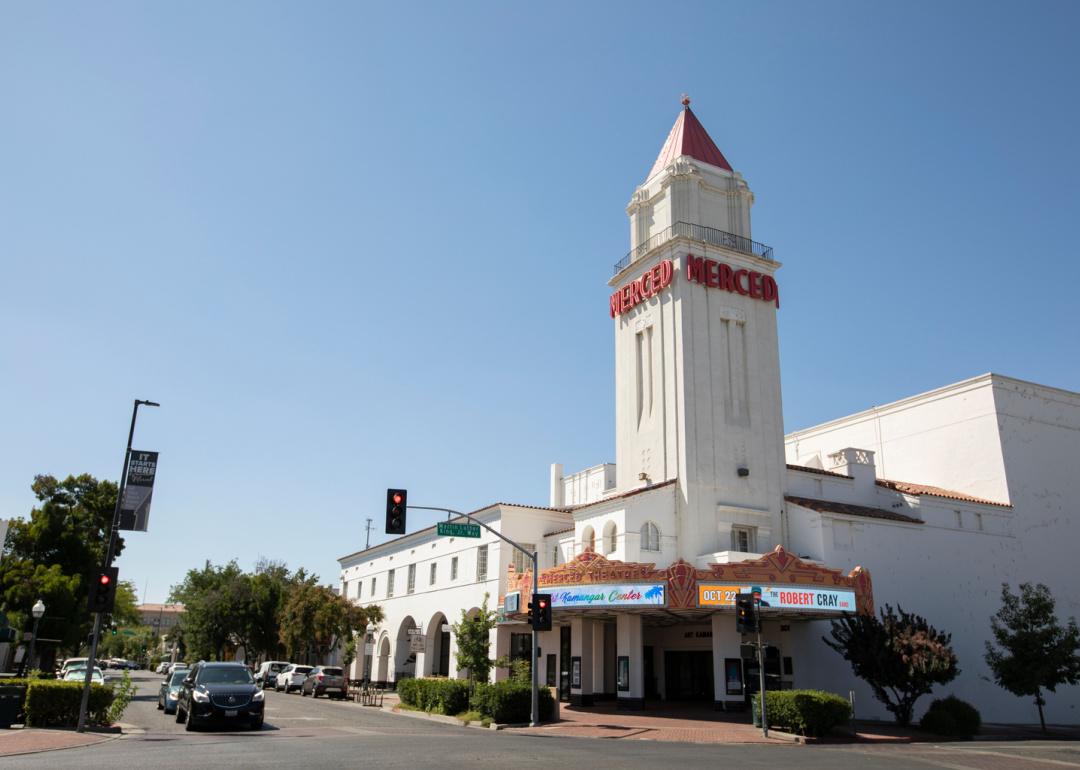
(689, 137)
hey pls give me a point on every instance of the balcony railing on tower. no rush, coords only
(701, 233)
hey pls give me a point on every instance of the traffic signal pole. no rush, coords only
(761, 666)
(534, 718)
(110, 550)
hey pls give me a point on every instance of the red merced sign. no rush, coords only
(717, 275)
(709, 272)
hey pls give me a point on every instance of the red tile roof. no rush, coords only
(850, 509)
(689, 137)
(819, 471)
(631, 493)
(926, 489)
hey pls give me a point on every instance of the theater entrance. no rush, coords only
(688, 675)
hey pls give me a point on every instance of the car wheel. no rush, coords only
(179, 716)
(159, 705)
(303, 692)
(189, 724)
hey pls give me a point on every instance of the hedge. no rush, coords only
(510, 702)
(807, 712)
(441, 696)
(56, 704)
(953, 717)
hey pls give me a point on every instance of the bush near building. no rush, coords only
(505, 702)
(806, 712)
(953, 717)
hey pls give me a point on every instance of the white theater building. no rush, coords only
(930, 503)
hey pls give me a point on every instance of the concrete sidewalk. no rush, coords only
(30, 740)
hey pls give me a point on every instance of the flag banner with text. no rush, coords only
(135, 504)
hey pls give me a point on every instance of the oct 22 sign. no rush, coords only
(609, 595)
(805, 598)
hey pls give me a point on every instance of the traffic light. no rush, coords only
(540, 612)
(103, 590)
(745, 616)
(395, 511)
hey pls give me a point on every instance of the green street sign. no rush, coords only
(446, 529)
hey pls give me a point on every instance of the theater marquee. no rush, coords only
(646, 595)
(779, 597)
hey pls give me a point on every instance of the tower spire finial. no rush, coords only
(685, 100)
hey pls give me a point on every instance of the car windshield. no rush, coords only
(177, 677)
(225, 675)
(332, 671)
(301, 669)
(276, 667)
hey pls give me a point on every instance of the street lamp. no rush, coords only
(37, 611)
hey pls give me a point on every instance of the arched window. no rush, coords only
(611, 538)
(650, 537)
(588, 539)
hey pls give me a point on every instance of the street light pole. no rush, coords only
(534, 718)
(37, 611)
(109, 552)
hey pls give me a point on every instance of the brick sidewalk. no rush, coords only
(688, 725)
(27, 740)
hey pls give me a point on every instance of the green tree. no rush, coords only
(211, 621)
(1036, 653)
(474, 642)
(315, 619)
(125, 611)
(52, 555)
(901, 656)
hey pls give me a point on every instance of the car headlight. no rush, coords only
(200, 697)
(172, 695)
(258, 696)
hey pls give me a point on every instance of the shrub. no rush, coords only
(807, 712)
(952, 716)
(438, 695)
(56, 704)
(510, 702)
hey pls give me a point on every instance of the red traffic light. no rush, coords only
(542, 604)
(398, 498)
(104, 580)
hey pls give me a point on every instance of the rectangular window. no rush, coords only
(555, 563)
(390, 583)
(360, 590)
(481, 562)
(410, 585)
(743, 539)
(453, 568)
(373, 596)
(431, 577)
(978, 526)
(521, 561)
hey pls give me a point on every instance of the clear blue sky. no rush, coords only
(355, 246)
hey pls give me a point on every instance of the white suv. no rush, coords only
(268, 672)
(292, 677)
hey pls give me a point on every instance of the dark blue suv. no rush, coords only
(220, 693)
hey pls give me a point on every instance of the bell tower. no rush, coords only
(697, 367)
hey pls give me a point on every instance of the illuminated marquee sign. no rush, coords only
(780, 597)
(608, 595)
(717, 275)
(646, 285)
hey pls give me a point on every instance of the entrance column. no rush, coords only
(581, 653)
(629, 644)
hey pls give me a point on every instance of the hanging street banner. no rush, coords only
(135, 505)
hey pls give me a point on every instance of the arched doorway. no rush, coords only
(404, 657)
(384, 660)
(437, 646)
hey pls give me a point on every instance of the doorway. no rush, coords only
(688, 675)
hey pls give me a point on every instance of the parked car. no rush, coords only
(268, 672)
(220, 692)
(176, 666)
(169, 692)
(79, 675)
(325, 680)
(70, 663)
(162, 667)
(291, 678)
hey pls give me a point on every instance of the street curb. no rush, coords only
(105, 738)
(439, 718)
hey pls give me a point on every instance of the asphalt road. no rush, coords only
(300, 732)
